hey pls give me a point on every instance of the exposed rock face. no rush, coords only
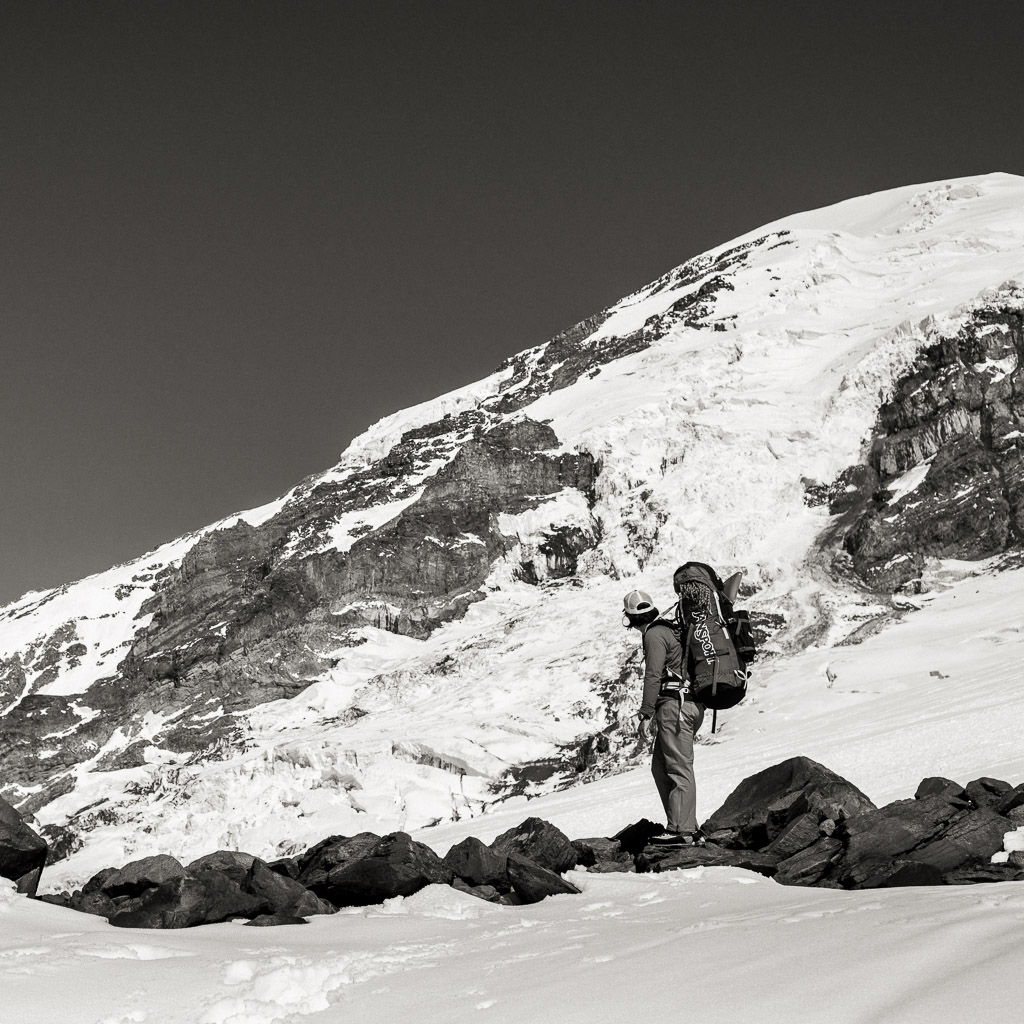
(959, 410)
(247, 615)
(22, 851)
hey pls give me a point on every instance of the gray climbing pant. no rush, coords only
(672, 765)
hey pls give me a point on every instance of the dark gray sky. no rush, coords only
(234, 234)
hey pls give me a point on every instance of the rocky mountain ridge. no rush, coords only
(435, 615)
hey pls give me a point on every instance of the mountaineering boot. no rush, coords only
(667, 838)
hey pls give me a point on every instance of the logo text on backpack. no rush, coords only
(703, 636)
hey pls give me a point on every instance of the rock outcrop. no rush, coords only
(797, 822)
(539, 841)
(394, 865)
(251, 611)
(22, 850)
(956, 418)
(802, 824)
(763, 807)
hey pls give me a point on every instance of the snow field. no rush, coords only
(713, 944)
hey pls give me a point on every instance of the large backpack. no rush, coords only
(718, 642)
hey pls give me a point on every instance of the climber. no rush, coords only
(670, 718)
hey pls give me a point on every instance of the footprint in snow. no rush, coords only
(132, 951)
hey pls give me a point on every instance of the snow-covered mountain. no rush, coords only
(831, 403)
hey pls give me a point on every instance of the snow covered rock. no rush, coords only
(22, 850)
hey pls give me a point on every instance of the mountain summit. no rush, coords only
(830, 403)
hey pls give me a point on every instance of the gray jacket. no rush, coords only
(662, 654)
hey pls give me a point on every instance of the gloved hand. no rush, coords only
(646, 730)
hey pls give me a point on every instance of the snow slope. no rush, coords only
(780, 382)
(716, 944)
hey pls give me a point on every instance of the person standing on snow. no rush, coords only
(670, 717)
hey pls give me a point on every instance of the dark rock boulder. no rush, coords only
(316, 864)
(287, 866)
(1010, 801)
(186, 901)
(801, 832)
(394, 865)
(602, 855)
(531, 882)
(477, 864)
(96, 883)
(971, 840)
(986, 792)
(979, 874)
(482, 892)
(812, 865)
(253, 876)
(95, 902)
(874, 840)
(55, 899)
(936, 785)
(22, 851)
(539, 841)
(282, 894)
(761, 806)
(633, 838)
(272, 920)
(139, 876)
(900, 872)
(668, 858)
(233, 863)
